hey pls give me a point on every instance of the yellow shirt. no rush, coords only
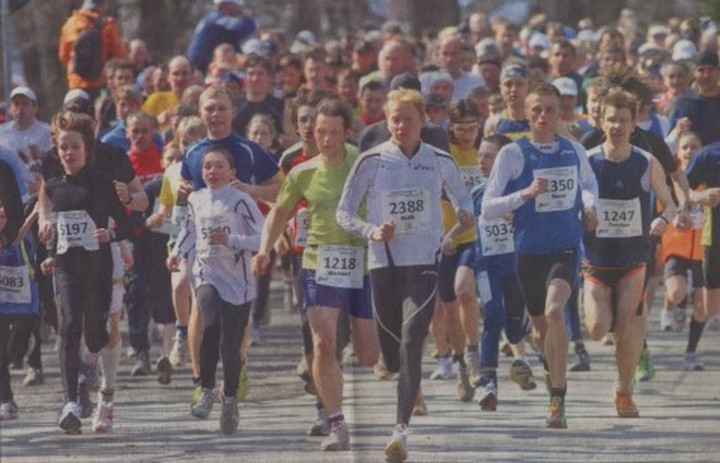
(466, 161)
(159, 102)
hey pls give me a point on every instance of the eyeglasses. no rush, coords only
(465, 126)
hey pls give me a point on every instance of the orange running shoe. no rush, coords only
(556, 419)
(625, 406)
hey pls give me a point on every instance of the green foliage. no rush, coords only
(712, 9)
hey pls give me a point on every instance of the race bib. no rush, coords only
(697, 216)
(410, 209)
(167, 228)
(302, 224)
(75, 229)
(15, 285)
(340, 266)
(496, 236)
(618, 218)
(204, 226)
(562, 189)
(179, 213)
(471, 177)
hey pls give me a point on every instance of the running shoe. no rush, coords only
(381, 370)
(488, 394)
(164, 370)
(625, 406)
(522, 375)
(465, 391)
(103, 417)
(8, 411)
(321, 426)
(692, 362)
(556, 417)
(444, 369)
(34, 377)
(666, 320)
(645, 370)
(420, 407)
(338, 439)
(178, 353)
(608, 340)
(84, 402)
(204, 404)
(229, 415)
(396, 448)
(472, 360)
(582, 363)
(243, 388)
(69, 419)
(678, 319)
(142, 365)
(197, 392)
(255, 336)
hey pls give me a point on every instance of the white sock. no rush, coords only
(110, 361)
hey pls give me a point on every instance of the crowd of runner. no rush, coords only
(530, 177)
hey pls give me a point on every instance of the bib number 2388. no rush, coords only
(410, 209)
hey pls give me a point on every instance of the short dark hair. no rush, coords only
(217, 148)
(256, 60)
(620, 99)
(372, 86)
(334, 107)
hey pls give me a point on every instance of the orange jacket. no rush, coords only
(79, 21)
(682, 243)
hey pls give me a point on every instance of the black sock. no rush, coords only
(579, 347)
(473, 348)
(336, 418)
(558, 392)
(195, 381)
(183, 330)
(460, 360)
(696, 330)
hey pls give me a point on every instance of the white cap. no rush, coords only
(76, 93)
(684, 49)
(24, 91)
(539, 40)
(566, 86)
(236, 2)
(306, 36)
(647, 46)
(487, 46)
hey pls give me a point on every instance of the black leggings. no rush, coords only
(223, 326)
(260, 303)
(84, 286)
(404, 302)
(7, 323)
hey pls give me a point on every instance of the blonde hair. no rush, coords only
(189, 129)
(215, 91)
(407, 97)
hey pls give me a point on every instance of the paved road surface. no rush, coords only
(680, 415)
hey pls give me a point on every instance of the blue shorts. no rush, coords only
(357, 302)
(464, 257)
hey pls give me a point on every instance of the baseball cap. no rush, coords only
(587, 35)
(514, 70)
(78, 101)
(406, 80)
(539, 40)
(658, 29)
(684, 49)
(24, 91)
(566, 86)
(258, 47)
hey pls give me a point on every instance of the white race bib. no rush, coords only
(204, 226)
(15, 285)
(496, 236)
(75, 229)
(619, 218)
(179, 213)
(562, 189)
(697, 216)
(410, 209)
(340, 266)
(302, 224)
(471, 177)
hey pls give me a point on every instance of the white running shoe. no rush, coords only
(667, 319)
(444, 371)
(692, 362)
(69, 419)
(8, 411)
(338, 439)
(178, 353)
(103, 417)
(396, 448)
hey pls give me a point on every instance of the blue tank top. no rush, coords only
(18, 291)
(624, 208)
(513, 129)
(655, 126)
(551, 222)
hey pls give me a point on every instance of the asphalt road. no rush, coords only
(680, 414)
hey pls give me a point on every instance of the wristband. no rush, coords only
(661, 216)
